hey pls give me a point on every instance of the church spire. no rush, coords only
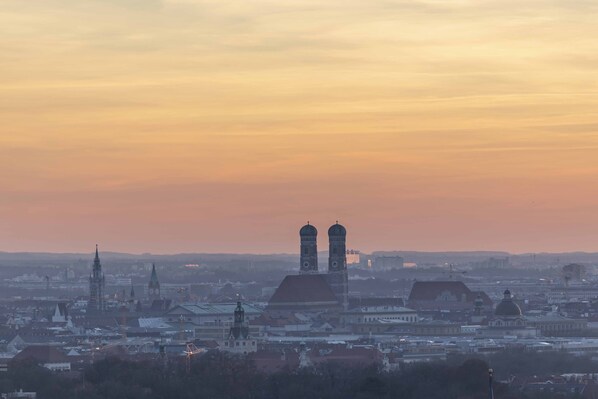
(97, 285)
(96, 261)
(154, 277)
(154, 285)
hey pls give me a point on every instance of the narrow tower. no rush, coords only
(337, 263)
(97, 283)
(309, 249)
(240, 329)
(153, 288)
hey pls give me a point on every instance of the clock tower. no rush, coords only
(309, 249)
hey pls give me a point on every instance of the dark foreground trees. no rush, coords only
(217, 375)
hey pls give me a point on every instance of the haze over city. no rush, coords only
(298, 199)
(202, 126)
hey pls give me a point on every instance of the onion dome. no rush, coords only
(507, 307)
(337, 230)
(308, 230)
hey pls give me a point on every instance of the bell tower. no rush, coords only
(240, 329)
(337, 256)
(153, 287)
(97, 284)
(338, 277)
(309, 249)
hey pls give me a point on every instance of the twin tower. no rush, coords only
(337, 258)
(337, 276)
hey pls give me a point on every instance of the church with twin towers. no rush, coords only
(313, 290)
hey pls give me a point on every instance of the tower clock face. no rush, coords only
(334, 264)
(306, 264)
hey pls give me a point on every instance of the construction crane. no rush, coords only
(190, 351)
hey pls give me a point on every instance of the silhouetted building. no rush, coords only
(338, 277)
(46, 356)
(444, 295)
(309, 249)
(388, 262)
(240, 329)
(239, 340)
(97, 284)
(153, 287)
(508, 320)
(304, 293)
(310, 291)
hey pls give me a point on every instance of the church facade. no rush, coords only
(508, 321)
(312, 291)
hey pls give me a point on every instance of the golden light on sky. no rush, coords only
(180, 125)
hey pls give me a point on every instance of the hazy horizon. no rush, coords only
(170, 126)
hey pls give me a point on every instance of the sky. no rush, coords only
(169, 126)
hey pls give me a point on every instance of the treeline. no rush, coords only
(522, 363)
(217, 375)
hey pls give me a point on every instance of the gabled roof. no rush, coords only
(42, 354)
(62, 309)
(154, 283)
(431, 290)
(303, 289)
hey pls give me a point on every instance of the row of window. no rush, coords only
(237, 343)
(404, 318)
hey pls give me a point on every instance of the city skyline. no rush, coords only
(195, 126)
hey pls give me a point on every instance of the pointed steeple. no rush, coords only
(154, 285)
(96, 261)
(97, 284)
(132, 294)
(154, 277)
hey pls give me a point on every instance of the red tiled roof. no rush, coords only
(304, 288)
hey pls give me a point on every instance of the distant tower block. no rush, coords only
(337, 263)
(309, 249)
(153, 288)
(97, 284)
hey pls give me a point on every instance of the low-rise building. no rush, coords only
(368, 314)
(46, 356)
(210, 313)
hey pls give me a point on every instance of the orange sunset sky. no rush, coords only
(223, 126)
